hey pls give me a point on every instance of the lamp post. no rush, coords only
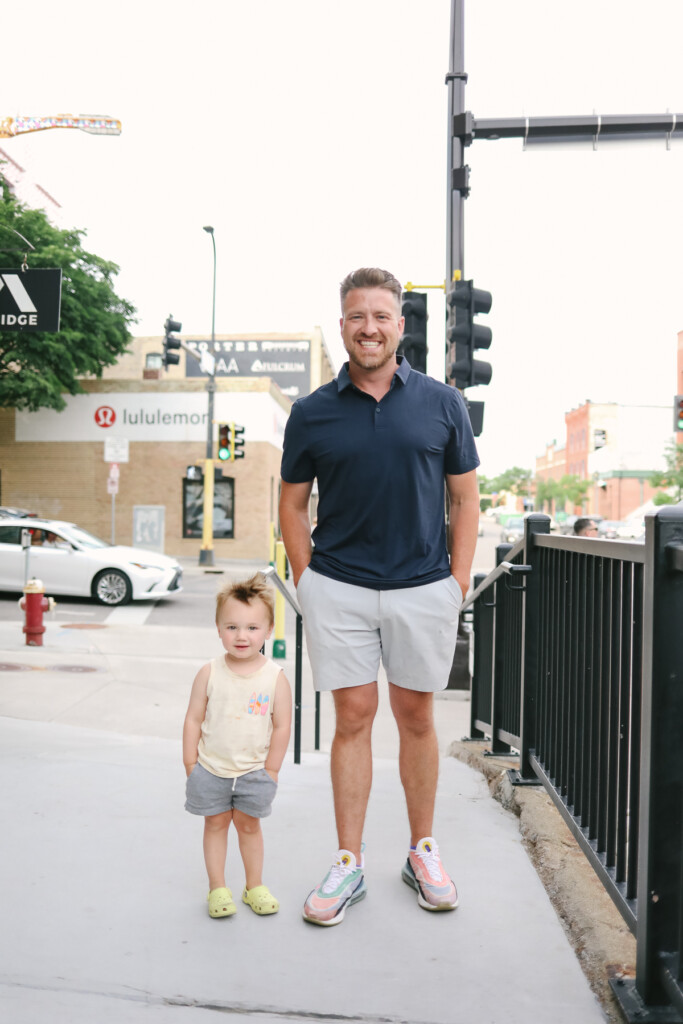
(206, 552)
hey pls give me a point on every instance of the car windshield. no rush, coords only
(83, 538)
(515, 523)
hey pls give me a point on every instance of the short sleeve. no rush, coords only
(461, 451)
(297, 463)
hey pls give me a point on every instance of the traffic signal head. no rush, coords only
(170, 357)
(678, 412)
(464, 303)
(224, 442)
(237, 441)
(414, 341)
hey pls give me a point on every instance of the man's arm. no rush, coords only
(463, 494)
(295, 524)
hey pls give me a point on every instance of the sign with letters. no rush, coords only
(30, 300)
(286, 361)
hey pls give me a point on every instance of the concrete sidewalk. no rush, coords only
(103, 887)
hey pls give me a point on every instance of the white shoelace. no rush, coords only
(430, 859)
(338, 872)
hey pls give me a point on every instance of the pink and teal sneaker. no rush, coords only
(424, 871)
(343, 885)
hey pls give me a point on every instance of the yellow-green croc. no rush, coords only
(221, 903)
(261, 900)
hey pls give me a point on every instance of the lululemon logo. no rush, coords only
(105, 416)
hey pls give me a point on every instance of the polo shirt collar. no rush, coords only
(401, 374)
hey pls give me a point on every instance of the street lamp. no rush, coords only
(206, 551)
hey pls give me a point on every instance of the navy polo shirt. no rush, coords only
(381, 469)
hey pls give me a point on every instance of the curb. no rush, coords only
(604, 945)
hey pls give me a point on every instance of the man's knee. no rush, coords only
(413, 711)
(355, 707)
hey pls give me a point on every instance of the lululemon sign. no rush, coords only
(105, 416)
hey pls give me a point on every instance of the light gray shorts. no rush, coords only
(350, 629)
(209, 794)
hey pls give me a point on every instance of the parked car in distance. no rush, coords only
(513, 530)
(632, 529)
(607, 528)
(20, 513)
(71, 561)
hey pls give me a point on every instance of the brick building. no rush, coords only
(56, 463)
(615, 446)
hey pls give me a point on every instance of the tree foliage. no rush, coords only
(515, 480)
(37, 368)
(672, 476)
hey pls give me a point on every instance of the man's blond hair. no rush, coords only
(370, 277)
(246, 591)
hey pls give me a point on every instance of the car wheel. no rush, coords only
(112, 587)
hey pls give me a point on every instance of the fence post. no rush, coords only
(658, 927)
(482, 621)
(498, 746)
(534, 524)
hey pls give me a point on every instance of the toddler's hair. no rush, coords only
(253, 589)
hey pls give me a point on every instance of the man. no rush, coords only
(585, 527)
(385, 580)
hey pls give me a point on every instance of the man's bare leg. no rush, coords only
(351, 762)
(418, 757)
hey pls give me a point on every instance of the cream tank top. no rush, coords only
(238, 723)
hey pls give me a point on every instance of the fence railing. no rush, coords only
(578, 665)
(271, 575)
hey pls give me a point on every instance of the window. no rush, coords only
(223, 508)
(10, 535)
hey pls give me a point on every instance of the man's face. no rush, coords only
(371, 327)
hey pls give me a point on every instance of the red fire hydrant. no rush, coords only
(34, 603)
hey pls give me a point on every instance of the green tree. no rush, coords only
(573, 489)
(37, 368)
(547, 492)
(516, 480)
(671, 477)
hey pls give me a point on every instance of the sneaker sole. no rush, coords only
(409, 878)
(358, 895)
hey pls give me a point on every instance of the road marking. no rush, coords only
(135, 614)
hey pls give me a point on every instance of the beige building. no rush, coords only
(152, 425)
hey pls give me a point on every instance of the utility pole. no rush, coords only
(206, 555)
(457, 182)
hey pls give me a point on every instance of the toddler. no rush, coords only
(235, 738)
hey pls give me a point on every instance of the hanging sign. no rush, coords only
(30, 300)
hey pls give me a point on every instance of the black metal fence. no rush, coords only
(578, 665)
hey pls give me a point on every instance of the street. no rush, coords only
(194, 606)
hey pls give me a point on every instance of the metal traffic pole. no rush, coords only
(206, 555)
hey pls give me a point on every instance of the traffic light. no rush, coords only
(465, 302)
(678, 412)
(236, 442)
(224, 442)
(171, 358)
(414, 341)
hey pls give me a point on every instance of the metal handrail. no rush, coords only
(270, 574)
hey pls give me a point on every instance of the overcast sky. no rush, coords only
(312, 135)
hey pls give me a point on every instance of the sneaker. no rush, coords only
(343, 885)
(424, 871)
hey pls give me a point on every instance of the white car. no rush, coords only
(72, 561)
